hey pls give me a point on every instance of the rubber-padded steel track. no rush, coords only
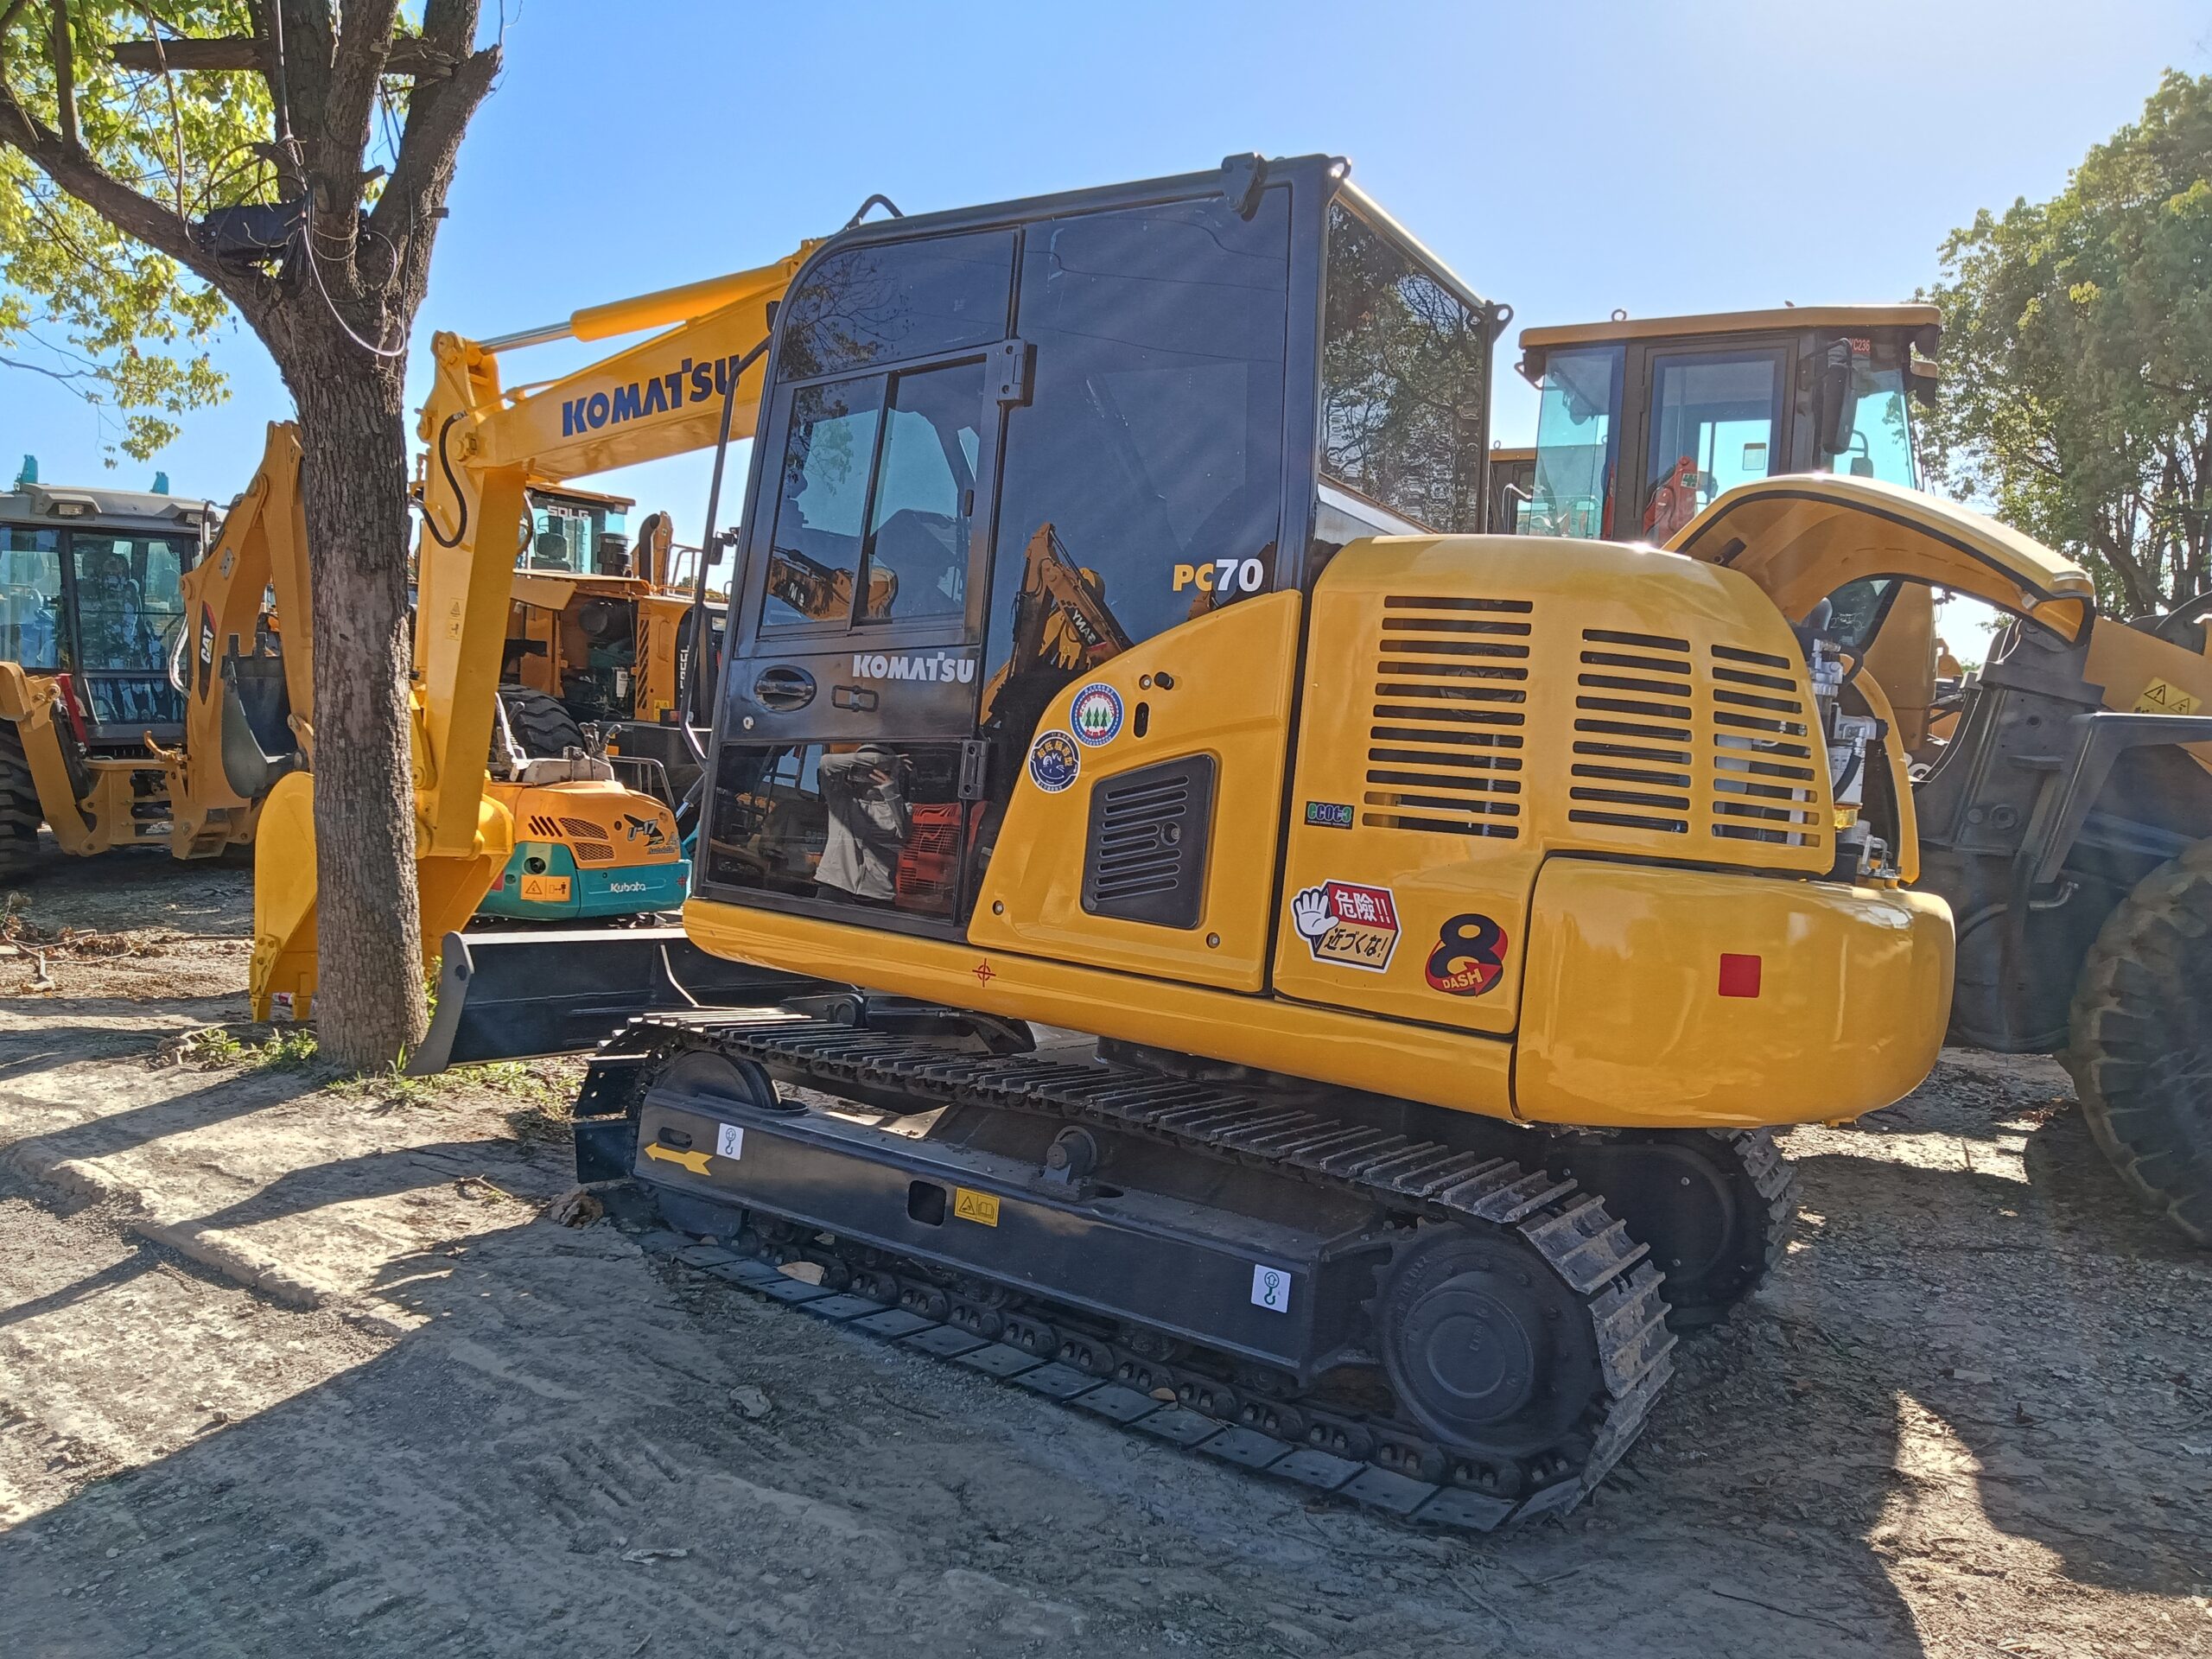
(1378, 1460)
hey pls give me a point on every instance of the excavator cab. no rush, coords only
(999, 450)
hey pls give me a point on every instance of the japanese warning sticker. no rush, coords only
(1347, 924)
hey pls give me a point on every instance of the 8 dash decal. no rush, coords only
(1469, 958)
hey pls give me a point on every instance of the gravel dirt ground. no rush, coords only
(291, 1367)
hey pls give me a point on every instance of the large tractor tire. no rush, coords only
(2140, 1046)
(545, 729)
(20, 816)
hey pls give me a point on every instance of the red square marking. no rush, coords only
(1739, 976)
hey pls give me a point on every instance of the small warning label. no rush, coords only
(971, 1205)
(2162, 697)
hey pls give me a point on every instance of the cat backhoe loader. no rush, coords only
(1449, 916)
(119, 724)
(2063, 793)
(151, 692)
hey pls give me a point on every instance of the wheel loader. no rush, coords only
(2061, 792)
(603, 632)
(1291, 973)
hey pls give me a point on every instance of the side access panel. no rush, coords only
(1103, 810)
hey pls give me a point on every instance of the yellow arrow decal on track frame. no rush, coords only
(694, 1162)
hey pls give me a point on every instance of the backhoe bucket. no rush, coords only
(449, 889)
(516, 995)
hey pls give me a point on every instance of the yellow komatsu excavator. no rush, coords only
(1446, 918)
(2062, 792)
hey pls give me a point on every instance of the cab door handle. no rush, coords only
(783, 688)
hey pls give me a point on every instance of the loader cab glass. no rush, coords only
(30, 597)
(1873, 439)
(1576, 432)
(566, 536)
(130, 610)
(1701, 411)
(1711, 425)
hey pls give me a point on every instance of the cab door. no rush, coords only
(1712, 419)
(849, 772)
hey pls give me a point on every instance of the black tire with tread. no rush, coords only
(544, 728)
(20, 816)
(2141, 1041)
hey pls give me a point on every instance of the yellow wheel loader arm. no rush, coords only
(487, 446)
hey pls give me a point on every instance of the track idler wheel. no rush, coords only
(1485, 1346)
(1715, 1208)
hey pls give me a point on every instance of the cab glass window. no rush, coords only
(877, 498)
(1405, 368)
(917, 552)
(1880, 445)
(30, 597)
(573, 538)
(894, 301)
(1143, 483)
(130, 605)
(1575, 436)
(814, 558)
(871, 823)
(1714, 419)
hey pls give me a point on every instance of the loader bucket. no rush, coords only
(448, 889)
(516, 995)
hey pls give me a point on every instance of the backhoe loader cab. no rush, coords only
(92, 615)
(1113, 646)
(1646, 421)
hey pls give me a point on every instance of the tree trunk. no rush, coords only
(369, 1001)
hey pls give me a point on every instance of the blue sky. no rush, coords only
(1568, 158)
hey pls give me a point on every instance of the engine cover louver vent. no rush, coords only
(1762, 753)
(1450, 690)
(1673, 745)
(1145, 849)
(1632, 733)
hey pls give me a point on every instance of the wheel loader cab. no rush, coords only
(1645, 422)
(1113, 631)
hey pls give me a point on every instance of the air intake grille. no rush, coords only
(1632, 733)
(1450, 696)
(1763, 785)
(1145, 851)
(594, 852)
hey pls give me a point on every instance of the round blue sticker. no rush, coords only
(1096, 713)
(1054, 760)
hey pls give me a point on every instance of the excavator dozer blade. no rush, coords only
(449, 888)
(516, 995)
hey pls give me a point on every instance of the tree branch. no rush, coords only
(438, 117)
(65, 78)
(129, 212)
(409, 56)
(357, 66)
